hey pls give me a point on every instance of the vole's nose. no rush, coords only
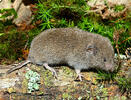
(110, 67)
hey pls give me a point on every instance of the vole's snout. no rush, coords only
(109, 67)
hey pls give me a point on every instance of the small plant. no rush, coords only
(4, 14)
(62, 23)
(66, 96)
(44, 15)
(7, 12)
(124, 84)
(10, 45)
(33, 80)
(105, 76)
(65, 13)
(118, 8)
(1, 27)
(96, 26)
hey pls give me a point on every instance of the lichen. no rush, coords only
(33, 80)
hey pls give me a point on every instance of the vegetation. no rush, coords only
(124, 84)
(73, 13)
(119, 8)
(33, 80)
(106, 76)
(66, 13)
(7, 12)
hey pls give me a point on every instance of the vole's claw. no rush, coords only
(51, 69)
(79, 74)
(54, 74)
(80, 77)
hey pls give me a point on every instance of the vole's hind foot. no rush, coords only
(51, 69)
(79, 74)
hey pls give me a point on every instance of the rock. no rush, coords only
(5, 4)
(7, 81)
(24, 13)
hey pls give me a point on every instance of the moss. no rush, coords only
(47, 75)
(12, 43)
(24, 85)
(66, 96)
(124, 84)
(68, 71)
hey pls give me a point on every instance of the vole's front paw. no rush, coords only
(51, 69)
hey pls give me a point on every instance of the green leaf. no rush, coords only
(1, 34)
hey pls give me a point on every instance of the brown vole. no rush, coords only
(77, 48)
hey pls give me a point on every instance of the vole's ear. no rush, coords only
(92, 49)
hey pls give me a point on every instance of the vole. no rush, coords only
(75, 47)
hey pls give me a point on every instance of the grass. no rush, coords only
(106, 76)
(124, 84)
(118, 8)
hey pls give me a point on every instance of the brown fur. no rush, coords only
(79, 49)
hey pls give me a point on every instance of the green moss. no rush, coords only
(10, 45)
(47, 75)
(24, 85)
(106, 76)
(118, 8)
(7, 12)
(68, 71)
(12, 42)
(66, 96)
(124, 84)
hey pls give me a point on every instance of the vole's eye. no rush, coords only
(104, 59)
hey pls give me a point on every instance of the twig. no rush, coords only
(116, 39)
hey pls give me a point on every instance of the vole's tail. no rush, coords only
(18, 66)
